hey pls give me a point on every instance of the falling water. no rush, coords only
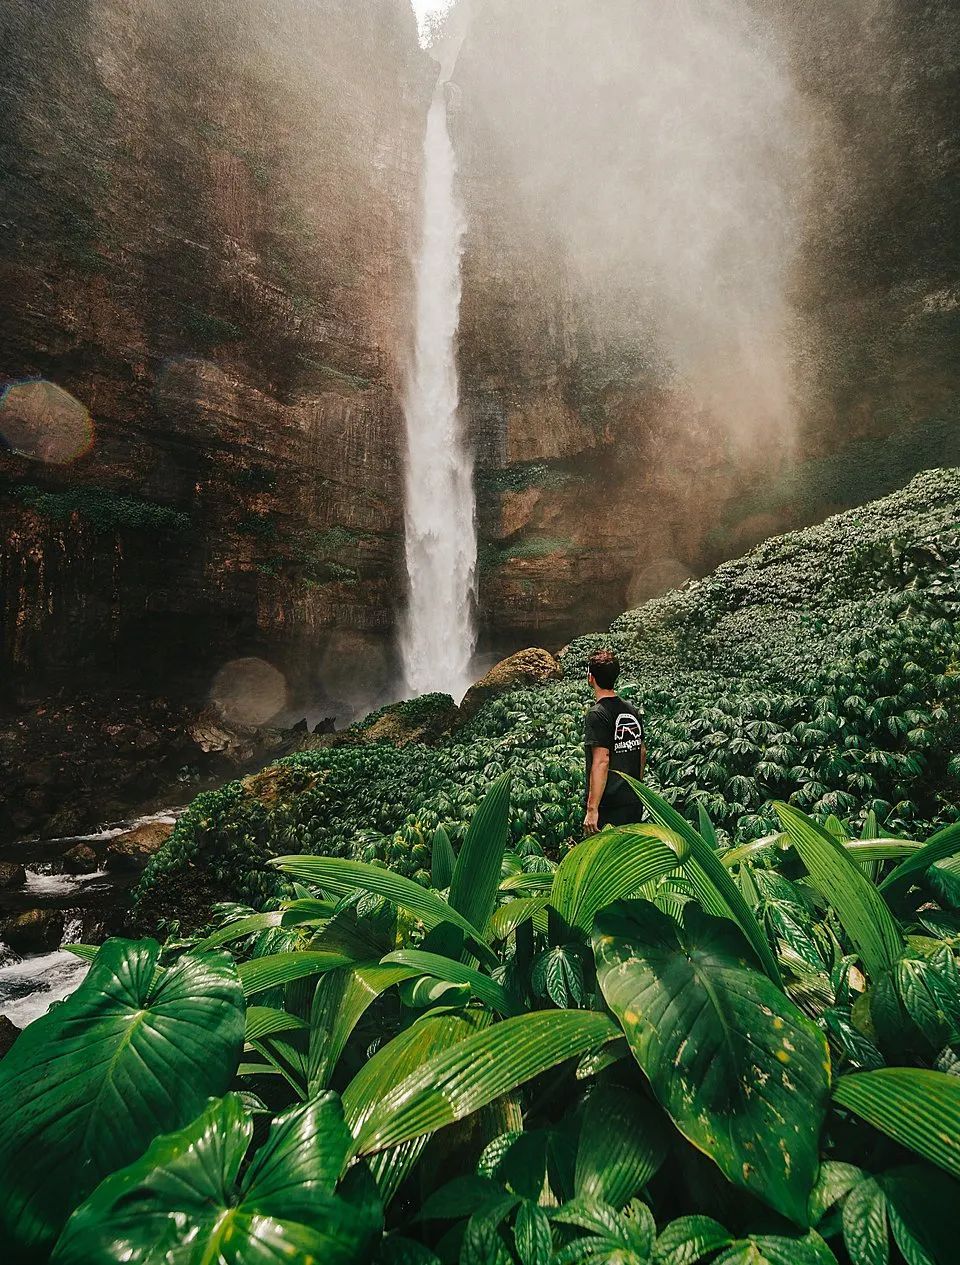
(439, 634)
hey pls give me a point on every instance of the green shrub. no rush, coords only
(104, 510)
(662, 1050)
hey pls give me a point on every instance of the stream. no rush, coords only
(93, 905)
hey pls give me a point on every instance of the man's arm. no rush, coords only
(599, 770)
(643, 759)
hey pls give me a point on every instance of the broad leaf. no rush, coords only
(943, 844)
(482, 986)
(183, 1200)
(476, 875)
(917, 1108)
(259, 974)
(712, 885)
(504, 921)
(769, 1249)
(476, 1071)
(340, 1000)
(347, 876)
(558, 974)
(609, 865)
(732, 1060)
(690, 1239)
(132, 1053)
(859, 906)
(240, 928)
(622, 1144)
(442, 861)
(531, 1235)
(389, 1067)
(264, 1021)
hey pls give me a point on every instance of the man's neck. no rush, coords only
(598, 693)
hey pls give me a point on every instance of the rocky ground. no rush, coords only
(68, 767)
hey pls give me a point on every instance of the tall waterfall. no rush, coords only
(439, 634)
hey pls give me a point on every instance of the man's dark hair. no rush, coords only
(604, 668)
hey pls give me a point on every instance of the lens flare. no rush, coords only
(656, 578)
(249, 691)
(40, 420)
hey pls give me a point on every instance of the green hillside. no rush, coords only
(823, 668)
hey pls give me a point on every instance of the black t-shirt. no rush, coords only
(617, 725)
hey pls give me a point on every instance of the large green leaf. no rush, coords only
(476, 875)
(775, 1249)
(347, 876)
(264, 1021)
(259, 974)
(727, 1054)
(919, 1109)
(609, 865)
(474, 1072)
(184, 1201)
(712, 885)
(943, 844)
(504, 921)
(622, 1144)
(859, 906)
(482, 986)
(389, 1067)
(238, 928)
(339, 1003)
(134, 1052)
(442, 861)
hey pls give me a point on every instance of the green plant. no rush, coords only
(104, 510)
(552, 1055)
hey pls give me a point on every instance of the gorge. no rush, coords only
(211, 222)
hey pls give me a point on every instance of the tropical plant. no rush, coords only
(665, 1050)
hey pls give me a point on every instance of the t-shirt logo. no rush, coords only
(627, 733)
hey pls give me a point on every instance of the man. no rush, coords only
(614, 743)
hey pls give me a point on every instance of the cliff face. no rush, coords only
(208, 219)
(709, 287)
(710, 291)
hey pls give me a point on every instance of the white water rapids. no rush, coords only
(438, 635)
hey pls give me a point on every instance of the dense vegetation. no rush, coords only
(659, 1052)
(438, 1031)
(819, 669)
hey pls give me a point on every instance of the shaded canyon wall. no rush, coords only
(703, 263)
(208, 217)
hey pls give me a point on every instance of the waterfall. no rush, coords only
(438, 635)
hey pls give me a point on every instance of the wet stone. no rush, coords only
(80, 859)
(33, 931)
(12, 874)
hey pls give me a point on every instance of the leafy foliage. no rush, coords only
(537, 1107)
(821, 669)
(727, 1035)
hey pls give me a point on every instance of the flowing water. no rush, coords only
(439, 634)
(90, 906)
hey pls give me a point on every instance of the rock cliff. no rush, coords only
(208, 217)
(710, 288)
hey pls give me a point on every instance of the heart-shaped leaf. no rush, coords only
(183, 1201)
(133, 1053)
(727, 1054)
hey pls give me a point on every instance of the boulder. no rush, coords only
(80, 859)
(8, 1034)
(520, 671)
(12, 874)
(33, 931)
(132, 850)
(425, 719)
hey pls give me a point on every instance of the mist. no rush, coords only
(657, 151)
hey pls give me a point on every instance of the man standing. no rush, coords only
(614, 743)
